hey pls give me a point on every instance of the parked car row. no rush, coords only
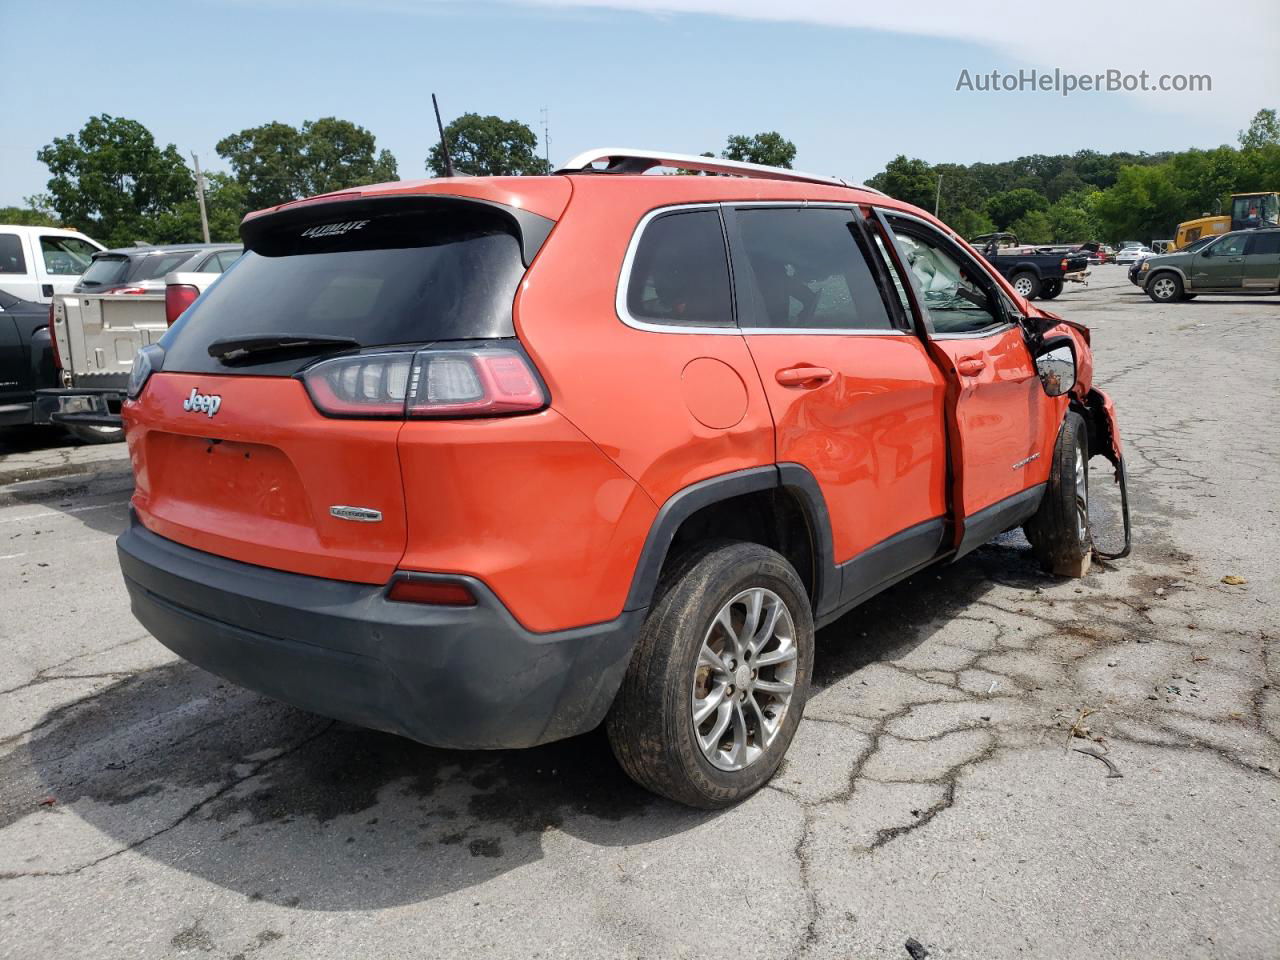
(1246, 262)
(37, 262)
(66, 347)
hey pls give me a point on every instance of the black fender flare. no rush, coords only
(793, 477)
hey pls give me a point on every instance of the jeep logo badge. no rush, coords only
(206, 403)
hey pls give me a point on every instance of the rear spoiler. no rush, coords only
(256, 230)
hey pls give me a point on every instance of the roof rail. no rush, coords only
(629, 160)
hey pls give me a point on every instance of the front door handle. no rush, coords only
(1236, 260)
(971, 366)
(800, 376)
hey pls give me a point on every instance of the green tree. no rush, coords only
(969, 223)
(1033, 227)
(489, 147)
(36, 213)
(112, 180)
(771, 149)
(1144, 204)
(266, 161)
(912, 181)
(1263, 130)
(276, 162)
(226, 202)
(1068, 181)
(1072, 220)
(1005, 208)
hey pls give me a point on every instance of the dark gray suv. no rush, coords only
(142, 268)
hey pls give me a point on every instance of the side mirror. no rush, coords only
(1056, 365)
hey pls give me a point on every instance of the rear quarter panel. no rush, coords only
(631, 390)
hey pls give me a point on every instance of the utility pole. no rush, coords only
(546, 137)
(204, 214)
(937, 200)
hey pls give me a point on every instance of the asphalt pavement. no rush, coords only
(935, 791)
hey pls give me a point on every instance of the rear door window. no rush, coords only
(808, 271)
(1265, 243)
(680, 272)
(12, 259)
(398, 278)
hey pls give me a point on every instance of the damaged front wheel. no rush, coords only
(1059, 531)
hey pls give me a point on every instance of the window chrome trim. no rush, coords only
(649, 326)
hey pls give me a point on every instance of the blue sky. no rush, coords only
(852, 88)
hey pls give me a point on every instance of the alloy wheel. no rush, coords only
(1082, 497)
(744, 679)
(1163, 288)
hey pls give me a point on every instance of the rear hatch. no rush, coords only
(268, 433)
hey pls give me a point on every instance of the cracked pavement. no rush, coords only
(933, 792)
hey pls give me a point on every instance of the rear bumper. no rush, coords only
(90, 406)
(463, 677)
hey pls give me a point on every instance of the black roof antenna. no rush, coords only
(444, 141)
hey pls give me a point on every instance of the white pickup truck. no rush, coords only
(95, 337)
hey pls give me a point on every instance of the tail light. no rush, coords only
(53, 338)
(432, 382)
(177, 297)
(1064, 263)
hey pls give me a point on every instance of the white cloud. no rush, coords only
(1237, 43)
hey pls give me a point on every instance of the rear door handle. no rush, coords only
(799, 376)
(971, 366)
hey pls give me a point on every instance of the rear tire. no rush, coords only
(1027, 284)
(1059, 531)
(703, 608)
(87, 434)
(1050, 289)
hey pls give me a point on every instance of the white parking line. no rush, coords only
(61, 513)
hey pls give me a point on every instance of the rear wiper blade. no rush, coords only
(261, 348)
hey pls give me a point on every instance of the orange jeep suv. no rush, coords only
(487, 462)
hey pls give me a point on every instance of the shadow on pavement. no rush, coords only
(294, 809)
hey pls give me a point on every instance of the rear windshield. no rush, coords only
(105, 271)
(397, 278)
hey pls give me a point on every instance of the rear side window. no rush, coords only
(808, 271)
(1265, 243)
(66, 256)
(156, 265)
(680, 274)
(11, 257)
(397, 278)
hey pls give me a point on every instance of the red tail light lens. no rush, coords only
(1064, 263)
(53, 338)
(440, 593)
(177, 297)
(434, 382)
